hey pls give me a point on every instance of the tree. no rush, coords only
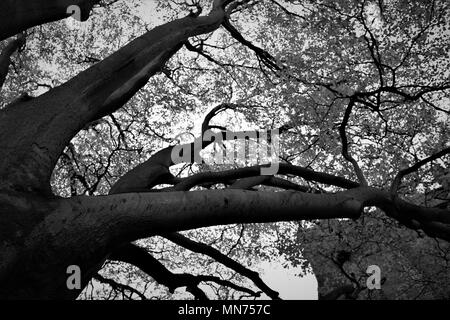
(344, 83)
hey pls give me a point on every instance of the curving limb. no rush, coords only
(398, 178)
(215, 254)
(119, 286)
(265, 57)
(98, 91)
(19, 15)
(140, 258)
(245, 172)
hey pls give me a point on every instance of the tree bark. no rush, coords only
(36, 132)
(83, 230)
(5, 56)
(19, 15)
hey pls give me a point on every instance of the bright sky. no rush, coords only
(288, 283)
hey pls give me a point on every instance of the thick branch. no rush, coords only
(119, 286)
(155, 170)
(110, 221)
(94, 93)
(140, 258)
(265, 57)
(284, 168)
(134, 216)
(287, 185)
(344, 140)
(285, 10)
(248, 183)
(18, 15)
(223, 259)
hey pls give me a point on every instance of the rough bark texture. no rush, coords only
(18, 15)
(5, 56)
(35, 133)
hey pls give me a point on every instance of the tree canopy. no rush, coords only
(93, 109)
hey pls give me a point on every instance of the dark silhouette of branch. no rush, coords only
(19, 15)
(398, 178)
(119, 286)
(92, 94)
(284, 168)
(265, 57)
(345, 153)
(223, 259)
(140, 258)
(285, 10)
